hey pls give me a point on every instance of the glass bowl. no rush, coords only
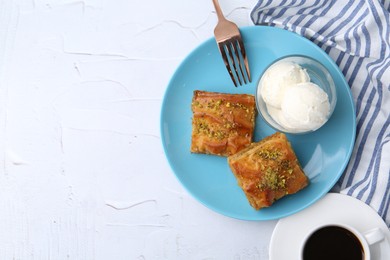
(318, 74)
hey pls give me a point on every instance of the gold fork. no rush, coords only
(231, 47)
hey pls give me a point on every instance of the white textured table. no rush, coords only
(83, 174)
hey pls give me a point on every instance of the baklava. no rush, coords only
(268, 170)
(222, 124)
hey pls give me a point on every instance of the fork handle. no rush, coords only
(218, 10)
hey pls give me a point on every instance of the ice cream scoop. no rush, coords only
(305, 106)
(279, 77)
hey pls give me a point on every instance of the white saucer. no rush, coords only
(290, 231)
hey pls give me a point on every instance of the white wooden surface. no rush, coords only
(83, 174)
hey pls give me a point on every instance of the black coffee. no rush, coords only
(333, 242)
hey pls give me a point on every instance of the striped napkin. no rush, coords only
(356, 35)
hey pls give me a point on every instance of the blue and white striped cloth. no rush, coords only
(356, 35)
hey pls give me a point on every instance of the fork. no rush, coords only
(231, 47)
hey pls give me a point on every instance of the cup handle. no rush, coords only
(374, 236)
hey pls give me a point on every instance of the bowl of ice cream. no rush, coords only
(296, 94)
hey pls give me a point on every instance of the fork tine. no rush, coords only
(234, 57)
(222, 50)
(231, 51)
(236, 49)
(243, 53)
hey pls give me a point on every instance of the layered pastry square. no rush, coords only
(268, 170)
(222, 124)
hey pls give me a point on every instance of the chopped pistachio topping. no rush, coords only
(202, 127)
(268, 154)
(275, 177)
(272, 180)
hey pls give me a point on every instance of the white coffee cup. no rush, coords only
(329, 241)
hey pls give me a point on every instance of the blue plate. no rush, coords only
(324, 154)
